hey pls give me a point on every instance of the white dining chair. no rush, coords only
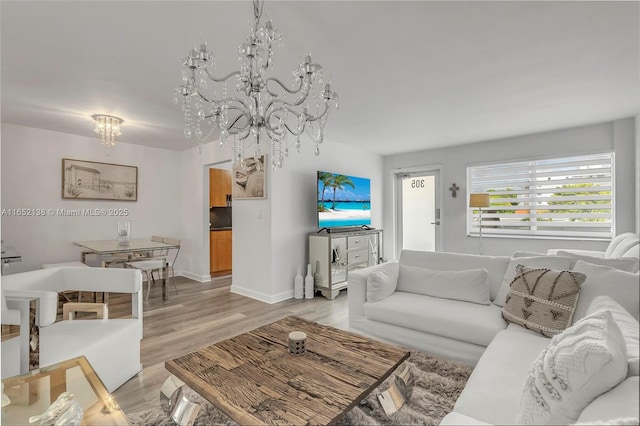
(155, 264)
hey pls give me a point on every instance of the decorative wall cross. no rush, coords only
(454, 190)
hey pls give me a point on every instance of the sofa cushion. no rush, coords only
(629, 327)
(542, 300)
(628, 264)
(523, 253)
(591, 253)
(549, 262)
(581, 363)
(467, 322)
(619, 402)
(469, 286)
(492, 393)
(601, 280)
(381, 283)
(444, 261)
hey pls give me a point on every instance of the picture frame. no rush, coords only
(92, 180)
(249, 182)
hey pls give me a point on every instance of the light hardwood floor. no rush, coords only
(200, 315)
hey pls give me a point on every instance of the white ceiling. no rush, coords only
(411, 75)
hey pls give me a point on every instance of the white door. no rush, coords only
(418, 210)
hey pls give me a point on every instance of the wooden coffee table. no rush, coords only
(255, 380)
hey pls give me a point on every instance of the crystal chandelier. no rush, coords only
(261, 106)
(108, 127)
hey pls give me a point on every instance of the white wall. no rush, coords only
(637, 167)
(269, 238)
(194, 208)
(173, 194)
(293, 192)
(32, 178)
(270, 234)
(617, 135)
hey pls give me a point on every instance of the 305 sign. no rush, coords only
(417, 183)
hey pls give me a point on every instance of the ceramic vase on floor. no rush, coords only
(298, 285)
(308, 284)
(317, 277)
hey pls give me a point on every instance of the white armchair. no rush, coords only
(112, 346)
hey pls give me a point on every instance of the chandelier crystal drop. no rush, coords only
(261, 106)
(108, 127)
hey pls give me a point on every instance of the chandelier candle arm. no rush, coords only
(223, 79)
(256, 110)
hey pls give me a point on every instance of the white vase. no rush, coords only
(298, 284)
(308, 284)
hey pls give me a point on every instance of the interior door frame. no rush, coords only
(397, 203)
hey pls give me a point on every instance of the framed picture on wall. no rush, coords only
(91, 180)
(249, 181)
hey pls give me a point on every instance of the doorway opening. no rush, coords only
(418, 210)
(220, 220)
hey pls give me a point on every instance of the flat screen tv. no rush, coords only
(343, 200)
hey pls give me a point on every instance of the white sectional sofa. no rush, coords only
(112, 346)
(440, 303)
(454, 329)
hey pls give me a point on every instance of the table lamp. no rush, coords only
(479, 201)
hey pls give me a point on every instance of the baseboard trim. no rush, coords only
(195, 277)
(266, 298)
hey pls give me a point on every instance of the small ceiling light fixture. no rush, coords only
(108, 127)
(262, 105)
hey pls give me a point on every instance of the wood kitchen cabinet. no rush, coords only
(220, 252)
(219, 187)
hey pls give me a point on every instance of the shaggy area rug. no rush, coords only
(433, 389)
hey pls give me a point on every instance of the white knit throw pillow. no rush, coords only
(579, 364)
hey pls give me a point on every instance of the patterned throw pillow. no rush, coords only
(542, 300)
(580, 364)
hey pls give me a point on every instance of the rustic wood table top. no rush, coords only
(255, 380)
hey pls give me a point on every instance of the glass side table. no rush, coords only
(32, 393)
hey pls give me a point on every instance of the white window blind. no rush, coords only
(559, 197)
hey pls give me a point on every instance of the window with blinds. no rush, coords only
(558, 197)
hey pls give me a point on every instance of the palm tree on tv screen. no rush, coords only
(326, 179)
(339, 182)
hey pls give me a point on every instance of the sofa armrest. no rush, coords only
(9, 316)
(47, 309)
(357, 292)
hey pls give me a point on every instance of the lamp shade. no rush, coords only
(479, 200)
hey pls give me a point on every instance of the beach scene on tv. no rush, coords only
(343, 200)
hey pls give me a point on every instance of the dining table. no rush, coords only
(9, 255)
(135, 246)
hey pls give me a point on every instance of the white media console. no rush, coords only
(337, 253)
